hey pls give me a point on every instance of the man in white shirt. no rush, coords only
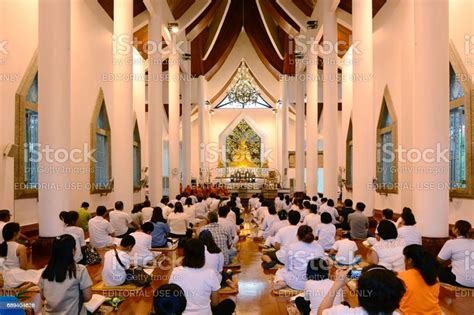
(313, 219)
(120, 221)
(141, 252)
(113, 274)
(101, 231)
(253, 202)
(200, 208)
(227, 224)
(147, 211)
(329, 207)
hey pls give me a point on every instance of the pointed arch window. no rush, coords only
(387, 168)
(349, 155)
(26, 134)
(101, 166)
(136, 158)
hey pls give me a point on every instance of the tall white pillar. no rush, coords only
(173, 100)
(330, 96)
(363, 113)
(300, 126)
(430, 116)
(54, 68)
(186, 122)
(284, 85)
(155, 108)
(312, 120)
(202, 113)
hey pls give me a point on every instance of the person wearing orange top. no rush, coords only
(421, 282)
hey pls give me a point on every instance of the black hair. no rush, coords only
(272, 210)
(408, 218)
(200, 198)
(307, 204)
(178, 207)
(387, 230)
(315, 198)
(326, 217)
(137, 208)
(101, 210)
(406, 209)
(324, 199)
(206, 237)
(147, 227)
(424, 262)
(178, 197)
(223, 211)
(348, 203)
(360, 206)
(313, 208)
(127, 241)
(4, 215)
(71, 218)
(287, 200)
(463, 227)
(188, 202)
(388, 214)
(61, 263)
(379, 290)
(63, 215)
(318, 269)
(169, 299)
(85, 205)
(165, 200)
(157, 215)
(212, 217)
(146, 203)
(282, 215)
(294, 217)
(305, 234)
(118, 205)
(231, 204)
(8, 232)
(194, 254)
(330, 203)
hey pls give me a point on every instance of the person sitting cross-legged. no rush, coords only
(141, 252)
(117, 261)
(221, 236)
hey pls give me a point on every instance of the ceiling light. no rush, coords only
(173, 28)
(243, 89)
(299, 55)
(312, 24)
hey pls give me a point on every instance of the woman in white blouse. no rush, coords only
(178, 221)
(70, 219)
(388, 252)
(407, 230)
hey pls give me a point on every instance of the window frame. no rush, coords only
(21, 105)
(466, 101)
(137, 144)
(106, 132)
(393, 128)
(349, 148)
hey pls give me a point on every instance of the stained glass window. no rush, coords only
(102, 168)
(243, 146)
(31, 149)
(386, 162)
(136, 158)
(227, 103)
(349, 152)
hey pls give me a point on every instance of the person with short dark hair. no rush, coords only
(141, 252)
(329, 208)
(84, 216)
(326, 231)
(121, 220)
(71, 220)
(358, 223)
(386, 292)
(316, 287)
(190, 209)
(169, 299)
(295, 257)
(179, 222)
(408, 231)
(113, 274)
(313, 219)
(388, 252)
(344, 251)
(421, 282)
(277, 226)
(268, 221)
(200, 284)
(343, 219)
(159, 235)
(455, 250)
(147, 211)
(404, 210)
(65, 285)
(101, 232)
(221, 235)
(4, 219)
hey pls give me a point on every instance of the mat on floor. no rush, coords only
(165, 249)
(126, 287)
(454, 288)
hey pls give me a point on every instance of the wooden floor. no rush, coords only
(254, 295)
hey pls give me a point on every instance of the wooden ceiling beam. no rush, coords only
(203, 21)
(282, 19)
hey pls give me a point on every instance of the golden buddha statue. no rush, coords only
(242, 157)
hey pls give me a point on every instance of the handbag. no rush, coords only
(91, 257)
(136, 276)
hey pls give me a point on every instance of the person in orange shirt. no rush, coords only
(421, 282)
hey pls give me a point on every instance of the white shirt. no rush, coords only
(277, 226)
(99, 232)
(345, 251)
(268, 221)
(230, 227)
(113, 274)
(312, 220)
(332, 211)
(166, 211)
(78, 235)
(141, 253)
(287, 235)
(215, 262)
(178, 222)
(2, 224)
(253, 203)
(409, 234)
(198, 291)
(201, 209)
(459, 251)
(390, 253)
(191, 211)
(147, 213)
(261, 213)
(214, 205)
(345, 310)
(279, 204)
(286, 206)
(120, 221)
(326, 233)
(315, 291)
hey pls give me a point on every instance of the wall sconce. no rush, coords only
(186, 56)
(312, 25)
(299, 55)
(173, 28)
(211, 111)
(275, 111)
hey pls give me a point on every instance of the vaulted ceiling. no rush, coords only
(215, 30)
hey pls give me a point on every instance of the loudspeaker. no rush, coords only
(10, 150)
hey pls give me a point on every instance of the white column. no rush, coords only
(299, 125)
(284, 85)
(186, 121)
(363, 113)
(202, 113)
(430, 116)
(312, 120)
(155, 108)
(54, 68)
(330, 96)
(173, 100)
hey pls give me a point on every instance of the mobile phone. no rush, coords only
(354, 274)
